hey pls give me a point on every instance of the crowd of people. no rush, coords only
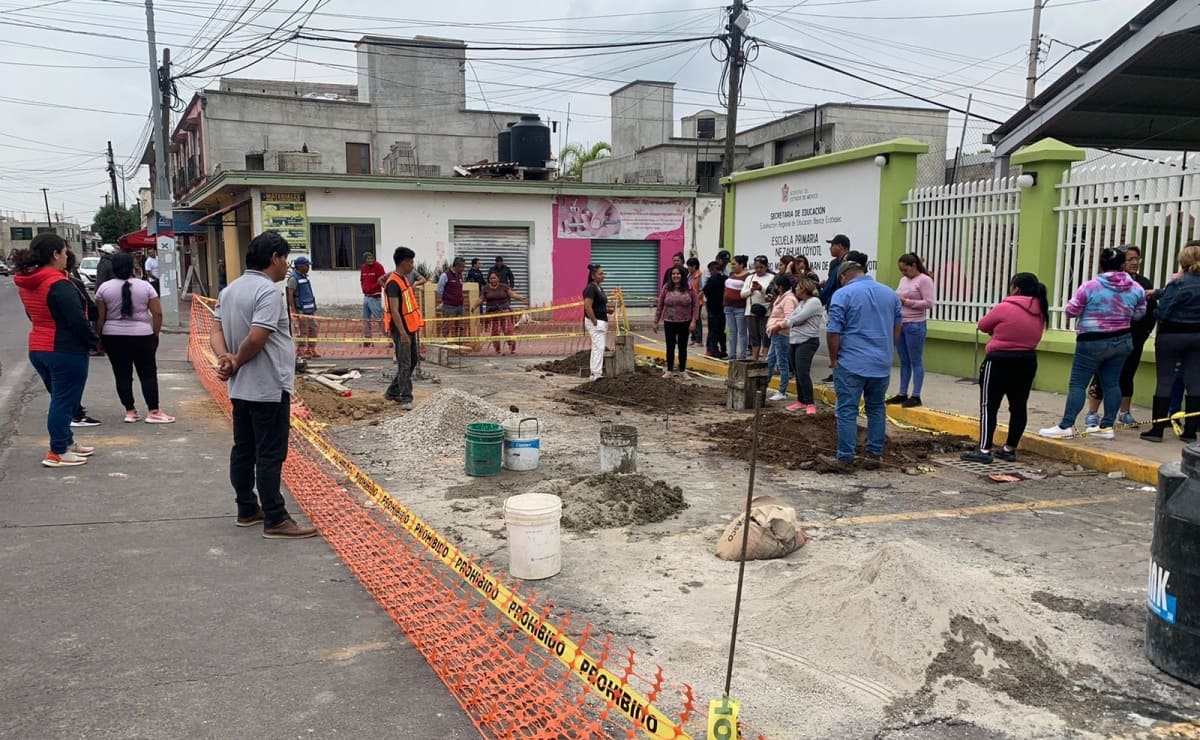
(68, 327)
(756, 313)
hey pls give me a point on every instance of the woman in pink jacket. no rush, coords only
(783, 302)
(917, 296)
(1016, 325)
(678, 309)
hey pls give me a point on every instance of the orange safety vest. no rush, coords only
(410, 310)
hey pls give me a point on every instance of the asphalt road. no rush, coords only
(131, 606)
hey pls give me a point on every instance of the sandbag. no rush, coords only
(774, 532)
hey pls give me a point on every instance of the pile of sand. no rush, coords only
(613, 500)
(922, 625)
(576, 364)
(437, 426)
(327, 405)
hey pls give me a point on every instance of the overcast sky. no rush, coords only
(100, 66)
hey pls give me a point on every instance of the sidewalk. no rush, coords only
(960, 398)
(133, 607)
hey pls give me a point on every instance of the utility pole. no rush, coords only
(737, 25)
(46, 200)
(1035, 49)
(962, 138)
(112, 175)
(160, 91)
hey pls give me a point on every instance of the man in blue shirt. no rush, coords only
(863, 325)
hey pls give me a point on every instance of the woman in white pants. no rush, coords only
(595, 309)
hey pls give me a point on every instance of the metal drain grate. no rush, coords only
(996, 466)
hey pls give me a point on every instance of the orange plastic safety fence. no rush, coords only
(553, 330)
(508, 678)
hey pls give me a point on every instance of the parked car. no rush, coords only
(4, 268)
(87, 270)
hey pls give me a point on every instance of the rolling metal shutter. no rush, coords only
(631, 266)
(489, 242)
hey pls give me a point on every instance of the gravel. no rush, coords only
(437, 426)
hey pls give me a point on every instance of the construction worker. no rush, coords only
(402, 320)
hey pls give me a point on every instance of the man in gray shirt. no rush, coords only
(256, 355)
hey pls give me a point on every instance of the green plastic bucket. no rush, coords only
(485, 447)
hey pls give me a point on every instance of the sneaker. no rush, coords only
(158, 417)
(1100, 432)
(1091, 420)
(899, 398)
(1006, 455)
(132, 417)
(1057, 432)
(250, 521)
(777, 396)
(65, 460)
(977, 456)
(795, 406)
(668, 374)
(828, 378)
(85, 421)
(811, 409)
(288, 530)
(911, 402)
(1128, 419)
(83, 450)
(871, 461)
(406, 405)
(1153, 434)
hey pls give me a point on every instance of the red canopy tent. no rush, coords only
(137, 240)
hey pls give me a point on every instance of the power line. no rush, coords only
(860, 78)
(938, 16)
(44, 104)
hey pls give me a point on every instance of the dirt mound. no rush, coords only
(908, 616)
(437, 425)
(794, 441)
(613, 500)
(576, 364)
(328, 406)
(648, 391)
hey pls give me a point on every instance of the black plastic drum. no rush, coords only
(1173, 590)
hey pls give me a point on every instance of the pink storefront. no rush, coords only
(632, 238)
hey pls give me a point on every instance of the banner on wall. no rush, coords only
(584, 217)
(797, 213)
(287, 215)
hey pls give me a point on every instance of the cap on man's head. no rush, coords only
(301, 260)
(841, 240)
(108, 249)
(858, 257)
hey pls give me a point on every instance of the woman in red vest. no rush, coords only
(58, 342)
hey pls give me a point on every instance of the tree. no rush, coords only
(573, 157)
(112, 222)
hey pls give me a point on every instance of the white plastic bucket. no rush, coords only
(522, 451)
(533, 535)
(618, 448)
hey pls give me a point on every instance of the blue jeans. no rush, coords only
(1104, 359)
(372, 311)
(912, 356)
(735, 331)
(779, 359)
(850, 388)
(64, 374)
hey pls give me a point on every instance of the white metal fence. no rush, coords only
(1151, 205)
(966, 234)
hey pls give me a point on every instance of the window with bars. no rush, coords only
(358, 159)
(706, 128)
(20, 233)
(340, 246)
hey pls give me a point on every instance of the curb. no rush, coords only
(1134, 468)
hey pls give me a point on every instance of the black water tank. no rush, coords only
(1173, 590)
(504, 145)
(530, 142)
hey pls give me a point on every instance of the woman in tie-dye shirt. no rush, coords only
(1104, 308)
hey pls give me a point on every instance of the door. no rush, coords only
(489, 242)
(631, 266)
